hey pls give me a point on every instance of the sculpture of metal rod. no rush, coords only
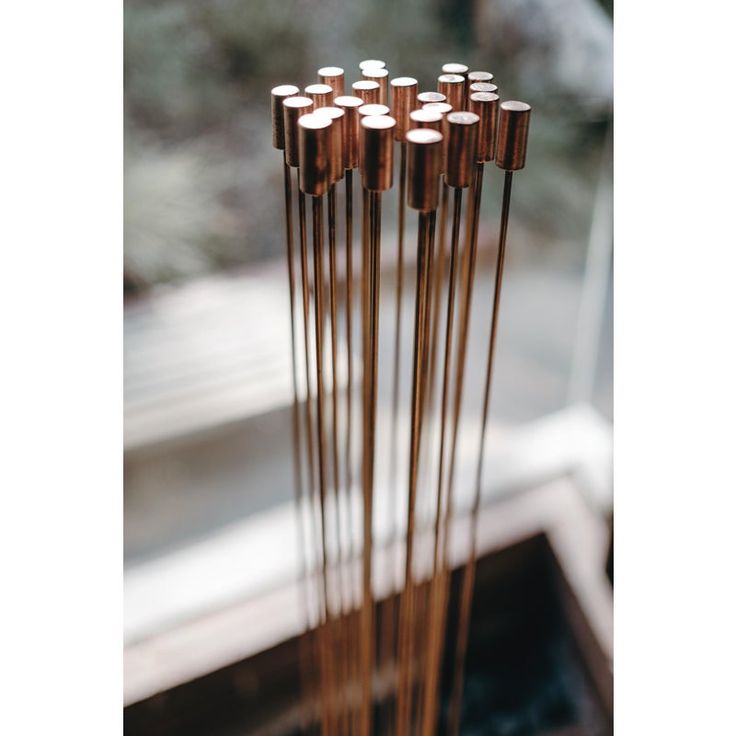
(513, 130)
(424, 149)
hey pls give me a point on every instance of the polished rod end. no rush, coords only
(485, 106)
(513, 131)
(377, 152)
(294, 108)
(462, 147)
(278, 95)
(314, 153)
(403, 101)
(424, 151)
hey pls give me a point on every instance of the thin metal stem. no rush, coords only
(468, 579)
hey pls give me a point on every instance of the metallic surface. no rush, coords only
(314, 154)
(403, 101)
(294, 108)
(454, 68)
(513, 131)
(372, 109)
(453, 86)
(377, 152)
(351, 129)
(321, 94)
(483, 87)
(368, 90)
(462, 146)
(480, 77)
(278, 95)
(425, 119)
(485, 106)
(424, 147)
(381, 76)
(334, 77)
(337, 137)
(372, 64)
(425, 97)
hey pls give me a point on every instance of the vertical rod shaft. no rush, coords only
(424, 246)
(436, 621)
(366, 634)
(317, 242)
(468, 579)
(304, 654)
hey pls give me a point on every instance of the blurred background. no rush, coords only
(207, 377)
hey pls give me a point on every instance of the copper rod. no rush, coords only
(304, 654)
(468, 578)
(425, 238)
(436, 623)
(366, 611)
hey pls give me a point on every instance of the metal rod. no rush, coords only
(425, 240)
(436, 622)
(468, 577)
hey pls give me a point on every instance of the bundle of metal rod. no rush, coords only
(349, 661)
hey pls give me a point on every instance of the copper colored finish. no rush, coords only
(351, 129)
(403, 96)
(513, 130)
(462, 147)
(372, 64)
(424, 97)
(314, 154)
(453, 86)
(368, 90)
(480, 77)
(377, 152)
(321, 94)
(278, 95)
(426, 119)
(334, 77)
(485, 106)
(425, 152)
(381, 76)
(365, 111)
(337, 135)
(483, 87)
(294, 108)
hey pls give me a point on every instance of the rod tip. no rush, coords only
(314, 153)
(513, 132)
(377, 149)
(294, 107)
(371, 64)
(424, 152)
(462, 147)
(278, 95)
(485, 106)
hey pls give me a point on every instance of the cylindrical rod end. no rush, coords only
(337, 135)
(453, 87)
(351, 129)
(426, 119)
(403, 96)
(513, 131)
(377, 152)
(314, 153)
(485, 106)
(321, 94)
(368, 90)
(278, 95)
(334, 77)
(380, 75)
(424, 151)
(462, 147)
(294, 108)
